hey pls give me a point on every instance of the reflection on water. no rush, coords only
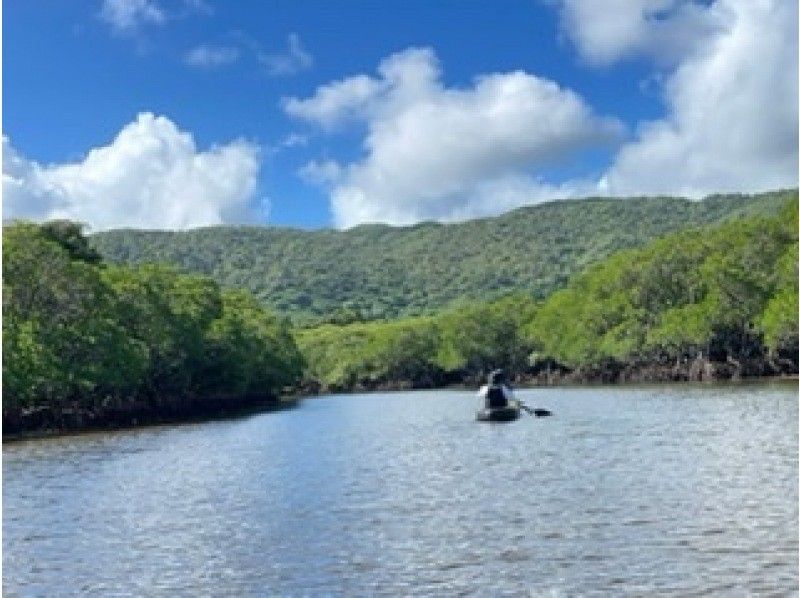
(625, 491)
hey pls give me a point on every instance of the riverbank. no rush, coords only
(610, 373)
(698, 369)
(47, 421)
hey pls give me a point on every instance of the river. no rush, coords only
(624, 491)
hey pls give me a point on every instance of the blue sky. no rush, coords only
(642, 107)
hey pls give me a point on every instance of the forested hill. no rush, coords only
(378, 271)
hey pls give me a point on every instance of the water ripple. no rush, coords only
(669, 490)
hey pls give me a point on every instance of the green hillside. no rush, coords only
(723, 298)
(378, 271)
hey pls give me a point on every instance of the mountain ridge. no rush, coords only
(380, 271)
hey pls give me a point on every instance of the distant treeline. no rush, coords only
(377, 272)
(711, 303)
(86, 338)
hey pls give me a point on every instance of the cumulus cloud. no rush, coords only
(126, 17)
(337, 102)
(665, 30)
(150, 176)
(208, 56)
(732, 111)
(296, 58)
(434, 152)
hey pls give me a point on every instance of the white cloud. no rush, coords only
(337, 102)
(290, 141)
(441, 153)
(295, 59)
(150, 176)
(207, 56)
(607, 31)
(732, 111)
(321, 172)
(126, 17)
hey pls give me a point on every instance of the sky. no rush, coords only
(174, 114)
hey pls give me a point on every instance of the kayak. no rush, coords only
(499, 414)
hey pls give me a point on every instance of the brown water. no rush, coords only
(626, 491)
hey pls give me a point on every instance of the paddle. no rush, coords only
(534, 412)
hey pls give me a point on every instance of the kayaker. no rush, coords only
(496, 393)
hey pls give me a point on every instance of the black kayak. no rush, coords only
(499, 414)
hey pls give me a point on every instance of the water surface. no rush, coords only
(628, 491)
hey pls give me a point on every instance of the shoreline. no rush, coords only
(75, 421)
(527, 383)
(213, 411)
(551, 373)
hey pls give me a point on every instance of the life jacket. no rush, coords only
(495, 397)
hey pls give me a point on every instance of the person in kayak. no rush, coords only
(496, 393)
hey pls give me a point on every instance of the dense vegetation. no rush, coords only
(727, 293)
(715, 302)
(85, 336)
(458, 345)
(376, 271)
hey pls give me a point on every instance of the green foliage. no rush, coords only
(168, 314)
(711, 291)
(381, 272)
(60, 339)
(368, 353)
(344, 315)
(779, 320)
(477, 338)
(70, 236)
(467, 341)
(78, 331)
(248, 349)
